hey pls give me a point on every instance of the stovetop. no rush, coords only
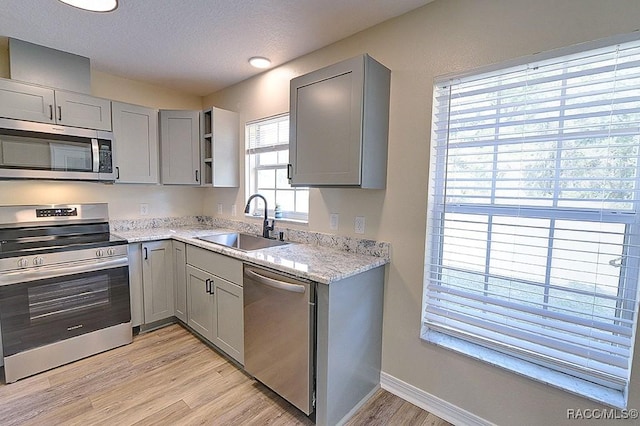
(36, 230)
(10, 249)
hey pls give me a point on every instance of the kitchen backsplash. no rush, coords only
(344, 243)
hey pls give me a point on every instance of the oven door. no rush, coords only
(51, 304)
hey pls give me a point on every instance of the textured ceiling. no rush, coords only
(198, 46)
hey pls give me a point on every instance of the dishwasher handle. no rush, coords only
(281, 285)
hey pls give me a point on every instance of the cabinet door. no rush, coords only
(225, 142)
(135, 132)
(135, 284)
(180, 147)
(180, 279)
(157, 276)
(326, 125)
(200, 304)
(228, 331)
(26, 102)
(79, 110)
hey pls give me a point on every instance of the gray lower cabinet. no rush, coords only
(228, 330)
(200, 303)
(136, 293)
(180, 279)
(215, 301)
(349, 344)
(157, 281)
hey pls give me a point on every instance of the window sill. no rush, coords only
(571, 384)
(278, 220)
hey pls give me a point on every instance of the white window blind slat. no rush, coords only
(533, 245)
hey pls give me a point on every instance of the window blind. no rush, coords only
(533, 242)
(268, 134)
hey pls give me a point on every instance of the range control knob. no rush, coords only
(111, 252)
(23, 263)
(100, 253)
(38, 261)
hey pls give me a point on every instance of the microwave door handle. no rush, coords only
(95, 153)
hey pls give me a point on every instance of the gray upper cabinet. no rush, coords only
(220, 144)
(80, 110)
(180, 147)
(29, 102)
(339, 125)
(135, 132)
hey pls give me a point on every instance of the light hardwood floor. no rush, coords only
(169, 377)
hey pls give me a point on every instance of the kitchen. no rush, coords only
(442, 37)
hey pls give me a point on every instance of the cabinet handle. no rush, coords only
(146, 254)
(117, 172)
(50, 112)
(59, 113)
(289, 171)
(209, 286)
(197, 176)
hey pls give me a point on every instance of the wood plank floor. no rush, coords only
(169, 377)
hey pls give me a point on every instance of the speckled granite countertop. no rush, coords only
(321, 264)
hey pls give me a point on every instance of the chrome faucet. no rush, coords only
(266, 229)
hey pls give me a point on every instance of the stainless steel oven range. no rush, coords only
(64, 286)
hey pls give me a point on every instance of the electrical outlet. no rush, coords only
(144, 209)
(359, 225)
(234, 211)
(334, 218)
(219, 208)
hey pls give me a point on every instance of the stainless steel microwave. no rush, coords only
(43, 151)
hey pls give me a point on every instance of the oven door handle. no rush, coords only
(44, 273)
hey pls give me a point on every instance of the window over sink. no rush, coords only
(267, 156)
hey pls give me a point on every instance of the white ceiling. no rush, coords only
(198, 46)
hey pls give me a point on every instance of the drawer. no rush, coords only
(217, 264)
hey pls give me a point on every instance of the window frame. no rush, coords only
(433, 244)
(253, 167)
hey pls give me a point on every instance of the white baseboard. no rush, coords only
(430, 403)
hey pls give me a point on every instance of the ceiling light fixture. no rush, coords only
(93, 5)
(259, 62)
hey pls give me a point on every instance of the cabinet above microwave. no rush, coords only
(41, 104)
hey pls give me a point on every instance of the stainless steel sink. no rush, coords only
(241, 241)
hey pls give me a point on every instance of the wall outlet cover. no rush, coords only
(219, 208)
(334, 219)
(234, 211)
(359, 225)
(144, 209)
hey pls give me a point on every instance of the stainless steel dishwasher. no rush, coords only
(279, 334)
